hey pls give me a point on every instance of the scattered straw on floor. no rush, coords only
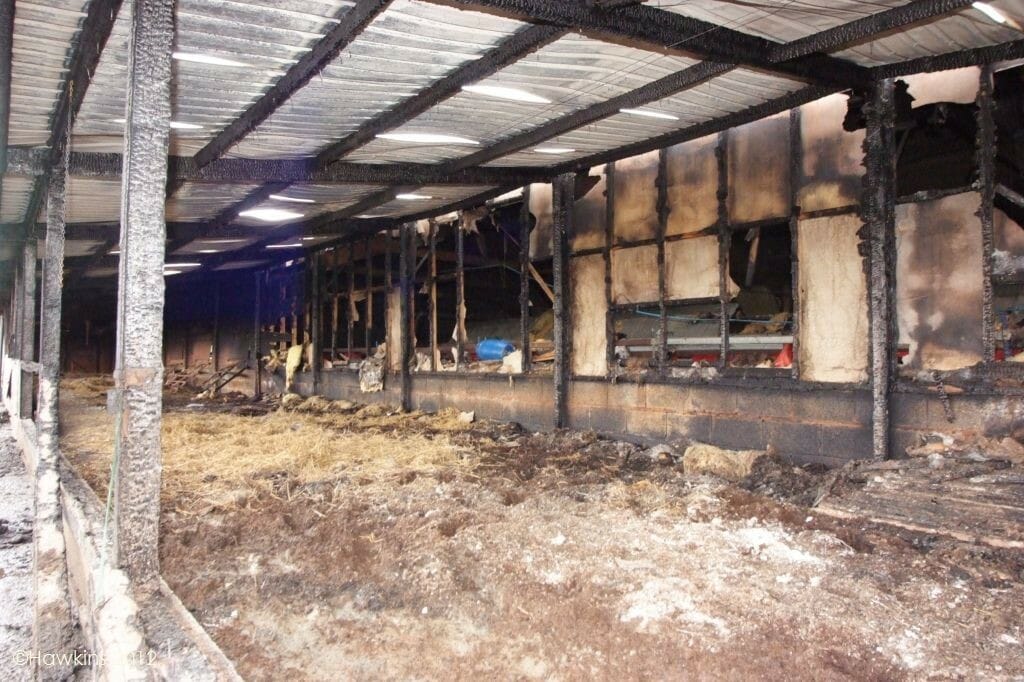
(205, 453)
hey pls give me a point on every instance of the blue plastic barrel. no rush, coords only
(493, 349)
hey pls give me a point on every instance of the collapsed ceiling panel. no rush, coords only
(254, 43)
(406, 49)
(568, 75)
(43, 35)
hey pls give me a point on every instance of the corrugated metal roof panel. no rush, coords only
(408, 47)
(14, 201)
(43, 35)
(266, 37)
(200, 201)
(574, 72)
(737, 90)
(439, 196)
(91, 201)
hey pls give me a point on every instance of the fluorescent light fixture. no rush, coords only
(205, 59)
(114, 251)
(175, 266)
(308, 239)
(554, 150)
(989, 11)
(209, 251)
(281, 197)
(296, 245)
(413, 197)
(270, 215)
(177, 125)
(223, 241)
(501, 92)
(426, 138)
(650, 113)
(168, 273)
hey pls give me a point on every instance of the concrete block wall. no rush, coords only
(804, 422)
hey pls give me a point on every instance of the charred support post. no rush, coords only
(350, 341)
(335, 311)
(524, 280)
(257, 338)
(724, 244)
(138, 371)
(563, 195)
(460, 295)
(609, 239)
(215, 345)
(663, 210)
(407, 266)
(27, 326)
(53, 630)
(316, 321)
(985, 152)
(880, 230)
(432, 298)
(368, 322)
(796, 166)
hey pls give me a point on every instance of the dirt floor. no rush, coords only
(15, 559)
(346, 543)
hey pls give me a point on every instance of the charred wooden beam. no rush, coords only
(796, 160)
(953, 60)
(316, 319)
(724, 243)
(985, 154)
(563, 196)
(661, 354)
(407, 263)
(92, 38)
(35, 162)
(139, 368)
(511, 50)
(650, 27)
(609, 241)
(868, 28)
(257, 335)
(525, 227)
(349, 26)
(878, 212)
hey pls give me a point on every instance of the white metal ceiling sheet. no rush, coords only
(967, 29)
(213, 244)
(200, 201)
(14, 200)
(44, 31)
(267, 37)
(573, 73)
(408, 47)
(90, 200)
(439, 196)
(778, 20)
(327, 198)
(731, 92)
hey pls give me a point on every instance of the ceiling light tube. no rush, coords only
(281, 197)
(502, 92)
(200, 58)
(989, 11)
(296, 245)
(426, 138)
(554, 150)
(413, 197)
(650, 113)
(270, 215)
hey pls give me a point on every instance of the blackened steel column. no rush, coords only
(53, 625)
(316, 322)
(138, 372)
(880, 229)
(564, 190)
(407, 265)
(257, 338)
